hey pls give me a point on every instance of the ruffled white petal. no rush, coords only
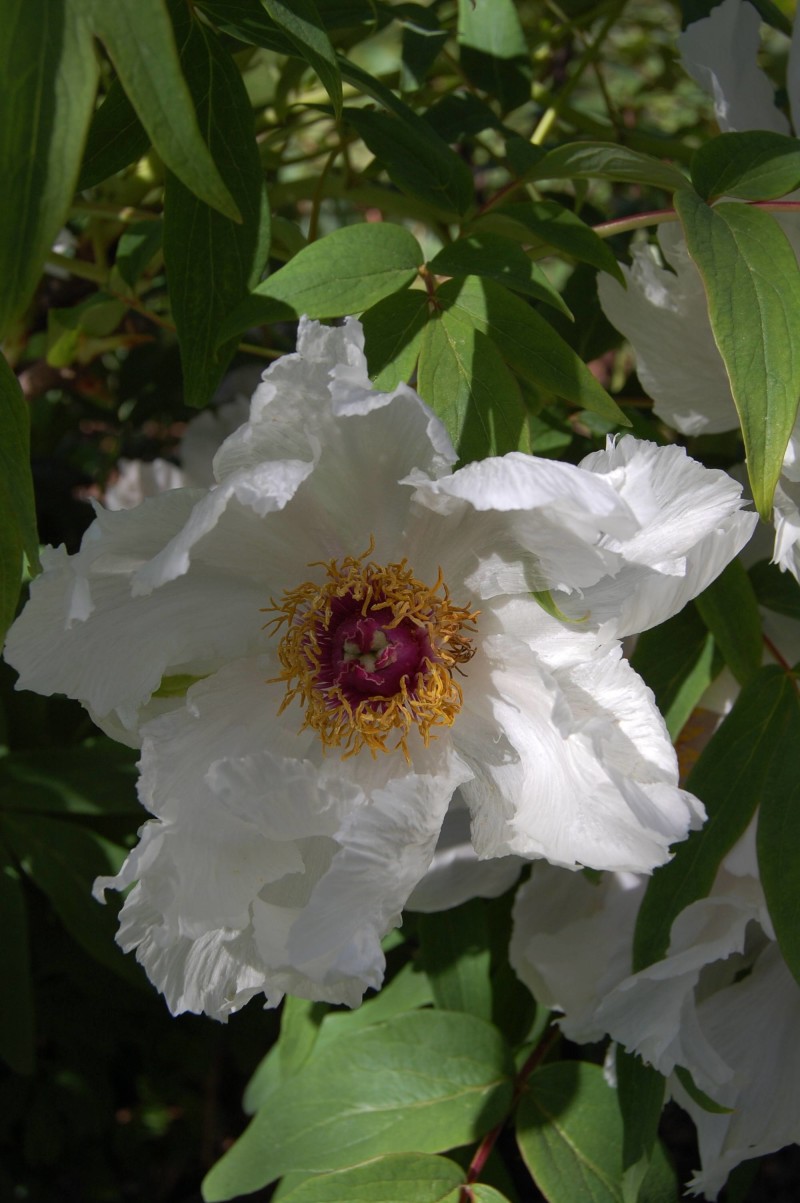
(720, 53)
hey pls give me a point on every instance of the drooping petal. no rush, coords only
(720, 53)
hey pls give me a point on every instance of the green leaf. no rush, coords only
(94, 779)
(527, 342)
(778, 842)
(398, 1178)
(17, 508)
(16, 998)
(744, 763)
(700, 1097)
(211, 261)
(422, 1083)
(63, 859)
(48, 75)
(416, 159)
(454, 952)
(345, 272)
(753, 165)
(640, 1094)
(554, 226)
(590, 160)
(301, 23)
(494, 51)
(500, 259)
(776, 590)
(752, 282)
(139, 38)
(569, 1130)
(116, 139)
(676, 659)
(729, 608)
(135, 249)
(393, 336)
(464, 379)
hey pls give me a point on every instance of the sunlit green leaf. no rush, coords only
(550, 224)
(752, 282)
(640, 1093)
(139, 38)
(393, 336)
(500, 259)
(398, 1178)
(753, 165)
(455, 954)
(347, 271)
(301, 23)
(527, 342)
(421, 1082)
(593, 160)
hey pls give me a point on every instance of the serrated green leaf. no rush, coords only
(752, 281)
(753, 165)
(778, 841)
(464, 379)
(569, 1130)
(640, 1094)
(553, 225)
(729, 608)
(676, 659)
(393, 336)
(593, 160)
(700, 1097)
(398, 1178)
(776, 590)
(116, 139)
(422, 1082)
(63, 859)
(497, 258)
(16, 998)
(211, 262)
(416, 159)
(17, 508)
(302, 24)
(744, 763)
(139, 38)
(455, 954)
(347, 271)
(48, 74)
(527, 343)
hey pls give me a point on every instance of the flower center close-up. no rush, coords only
(371, 652)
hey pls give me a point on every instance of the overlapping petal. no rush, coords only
(274, 862)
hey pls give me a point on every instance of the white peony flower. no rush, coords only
(722, 1004)
(663, 312)
(315, 653)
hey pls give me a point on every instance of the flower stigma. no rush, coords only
(371, 652)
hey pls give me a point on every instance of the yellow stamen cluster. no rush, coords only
(431, 699)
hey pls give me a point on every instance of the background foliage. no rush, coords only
(181, 182)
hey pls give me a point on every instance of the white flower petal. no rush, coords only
(720, 53)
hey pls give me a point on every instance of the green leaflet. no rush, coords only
(139, 38)
(211, 261)
(393, 336)
(345, 272)
(729, 608)
(753, 165)
(570, 1134)
(752, 282)
(423, 1082)
(48, 74)
(17, 509)
(590, 160)
(301, 23)
(501, 259)
(398, 1178)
